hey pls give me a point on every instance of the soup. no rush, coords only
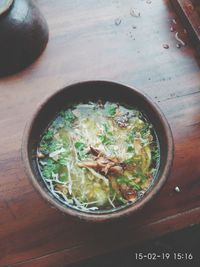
(98, 156)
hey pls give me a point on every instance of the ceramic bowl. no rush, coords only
(93, 90)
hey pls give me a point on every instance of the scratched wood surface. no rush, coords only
(100, 39)
(189, 13)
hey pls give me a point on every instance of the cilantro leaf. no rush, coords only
(79, 146)
(49, 168)
(110, 109)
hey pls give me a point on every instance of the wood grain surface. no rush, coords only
(100, 39)
(189, 12)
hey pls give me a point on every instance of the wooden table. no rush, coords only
(99, 39)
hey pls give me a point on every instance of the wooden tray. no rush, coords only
(189, 13)
(85, 43)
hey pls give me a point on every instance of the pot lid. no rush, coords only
(5, 5)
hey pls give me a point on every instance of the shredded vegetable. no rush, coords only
(99, 156)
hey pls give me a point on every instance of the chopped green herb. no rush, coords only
(106, 137)
(49, 134)
(79, 146)
(44, 147)
(110, 109)
(129, 161)
(123, 180)
(155, 153)
(131, 135)
(69, 117)
(53, 146)
(63, 160)
(137, 187)
(130, 148)
(121, 199)
(105, 140)
(49, 169)
(139, 173)
(63, 178)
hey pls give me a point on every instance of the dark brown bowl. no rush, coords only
(93, 90)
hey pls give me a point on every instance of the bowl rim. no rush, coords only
(92, 217)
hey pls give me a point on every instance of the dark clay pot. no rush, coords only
(23, 35)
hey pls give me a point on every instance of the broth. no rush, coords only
(99, 156)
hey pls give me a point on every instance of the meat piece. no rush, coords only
(117, 170)
(104, 166)
(128, 193)
(110, 167)
(115, 159)
(102, 163)
(88, 164)
(94, 151)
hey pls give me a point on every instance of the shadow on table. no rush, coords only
(181, 248)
